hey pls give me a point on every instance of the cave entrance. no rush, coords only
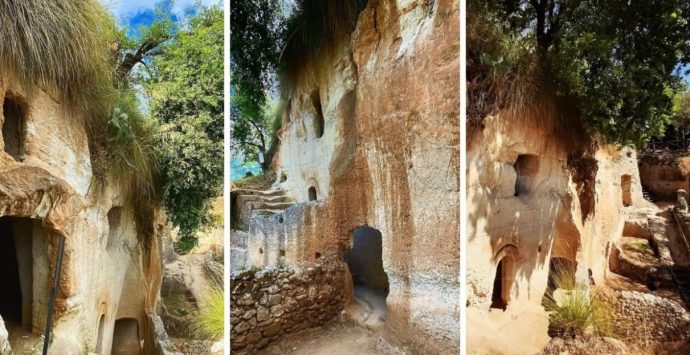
(369, 279)
(318, 119)
(499, 295)
(126, 337)
(16, 275)
(14, 112)
(626, 182)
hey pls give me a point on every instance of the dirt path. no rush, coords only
(336, 338)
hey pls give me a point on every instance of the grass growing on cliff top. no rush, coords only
(316, 27)
(62, 46)
(211, 318)
(579, 310)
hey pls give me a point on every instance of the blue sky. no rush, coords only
(133, 14)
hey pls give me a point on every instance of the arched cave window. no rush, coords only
(501, 289)
(114, 227)
(526, 167)
(312, 193)
(13, 126)
(99, 341)
(283, 177)
(626, 182)
(318, 120)
(365, 261)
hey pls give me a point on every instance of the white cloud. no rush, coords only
(127, 7)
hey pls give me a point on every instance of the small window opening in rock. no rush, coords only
(16, 273)
(499, 295)
(280, 220)
(626, 182)
(317, 255)
(261, 250)
(288, 111)
(282, 252)
(526, 167)
(369, 278)
(114, 227)
(539, 248)
(13, 127)
(126, 337)
(283, 177)
(312, 193)
(318, 120)
(99, 341)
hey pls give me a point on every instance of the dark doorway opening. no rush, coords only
(369, 279)
(498, 296)
(16, 275)
(312, 193)
(11, 296)
(14, 112)
(126, 337)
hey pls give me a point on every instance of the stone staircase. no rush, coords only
(647, 196)
(264, 202)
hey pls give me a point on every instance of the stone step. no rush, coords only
(260, 192)
(267, 211)
(271, 205)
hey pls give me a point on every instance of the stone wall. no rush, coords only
(644, 318)
(276, 301)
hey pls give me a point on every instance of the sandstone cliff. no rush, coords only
(370, 138)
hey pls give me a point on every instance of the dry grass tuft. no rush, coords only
(62, 46)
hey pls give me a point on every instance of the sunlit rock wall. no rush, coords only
(111, 265)
(388, 159)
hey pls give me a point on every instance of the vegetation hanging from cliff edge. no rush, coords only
(613, 62)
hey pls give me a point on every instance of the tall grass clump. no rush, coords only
(211, 317)
(578, 311)
(62, 46)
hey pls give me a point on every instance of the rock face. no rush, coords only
(111, 266)
(386, 157)
(664, 173)
(536, 199)
(281, 300)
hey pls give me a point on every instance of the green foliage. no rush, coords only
(612, 61)
(186, 89)
(256, 29)
(62, 46)
(211, 318)
(681, 109)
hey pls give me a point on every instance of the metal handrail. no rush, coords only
(53, 294)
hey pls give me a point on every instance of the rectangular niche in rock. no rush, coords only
(526, 167)
(14, 113)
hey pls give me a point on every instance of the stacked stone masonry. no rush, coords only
(278, 300)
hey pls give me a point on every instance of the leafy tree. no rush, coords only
(256, 30)
(612, 61)
(185, 84)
